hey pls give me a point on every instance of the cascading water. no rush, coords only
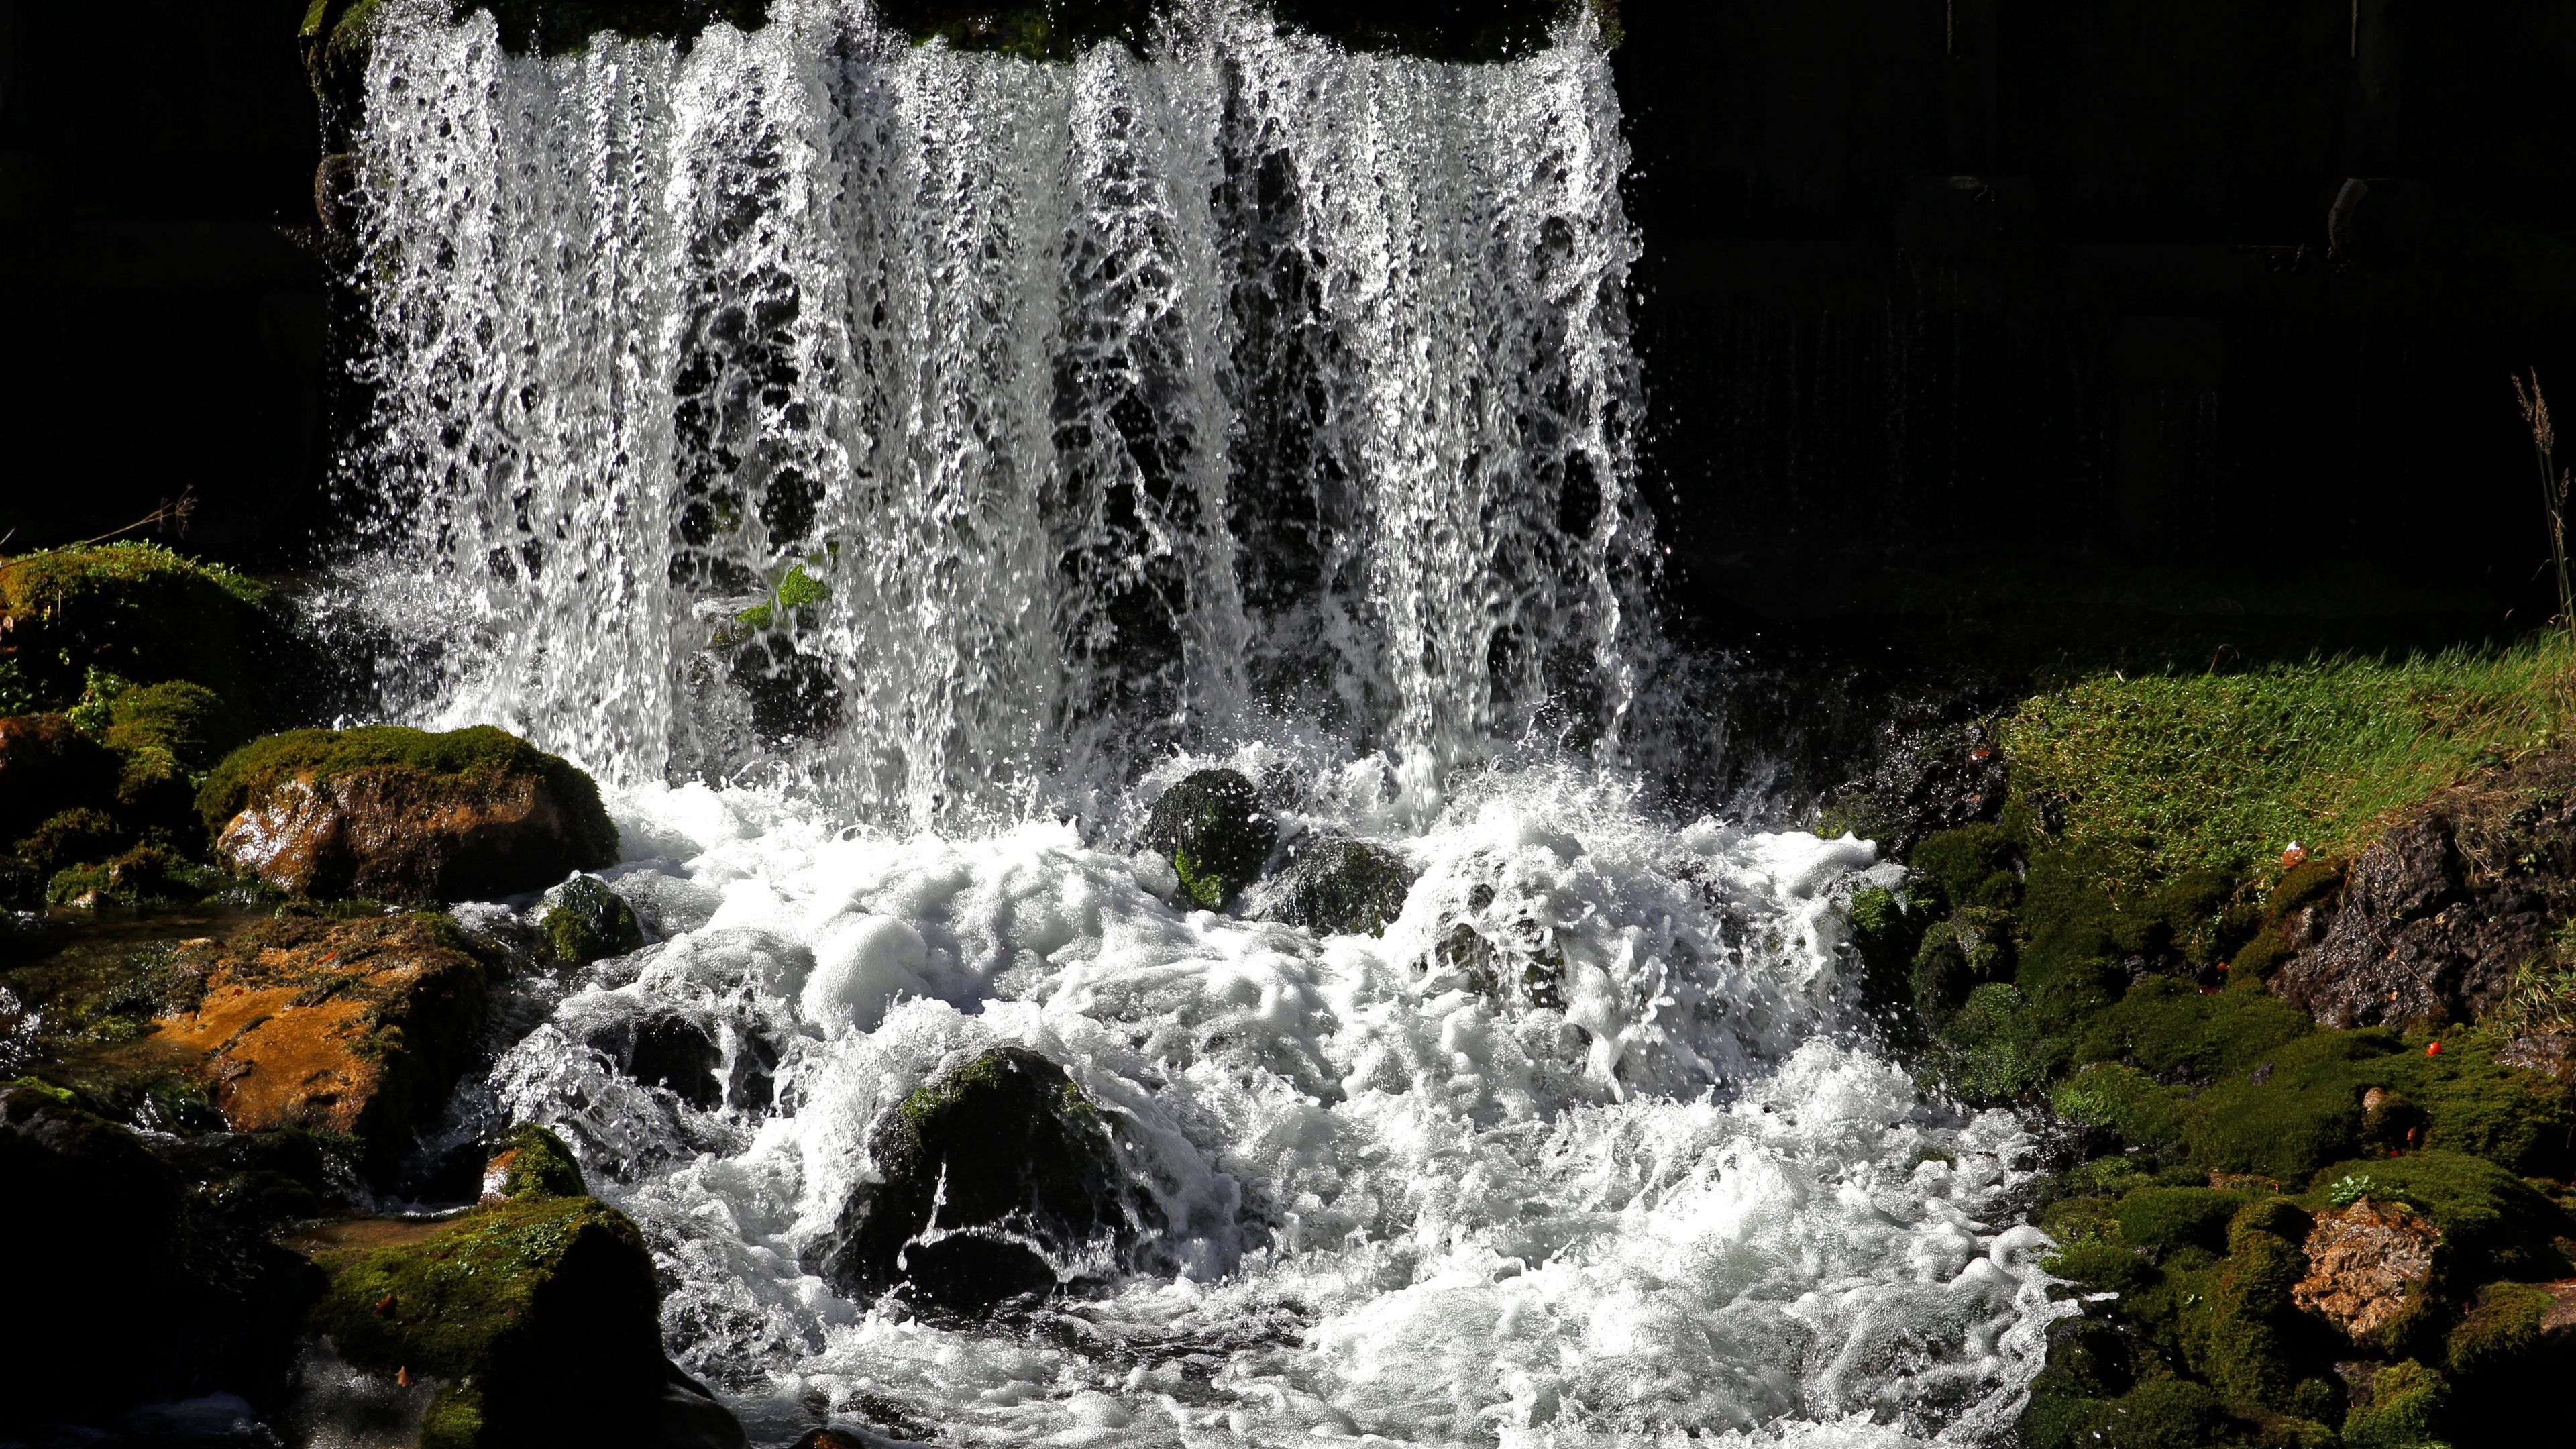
(887, 467)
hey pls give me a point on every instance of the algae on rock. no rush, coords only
(1213, 830)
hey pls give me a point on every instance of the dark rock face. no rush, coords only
(1213, 830)
(1333, 884)
(664, 1047)
(124, 1286)
(400, 814)
(1018, 1166)
(2440, 914)
(47, 767)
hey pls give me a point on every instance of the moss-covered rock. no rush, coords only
(135, 610)
(531, 1164)
(356, 1028)
(1334, 885)
(537, 1318)
(403, 814)
(185, 720)
(48, 767)
(1212, 828)
(585, 921)
(1017, 1163)
(125, 1285)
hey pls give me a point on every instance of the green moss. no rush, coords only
(72, 837)
(2159, 774)
(190, 722)
(1334, 885)
(796, 590)
(2492, 1222)
(510, 1304)
(135, 610)
(2407, 1409)
(479, 752)
(2161, 1220)
(538, 1166)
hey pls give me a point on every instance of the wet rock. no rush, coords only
(1334, 885)
(1211, 827)
(585, 921)
(356, 1027)
(536, 1319)
(46, 768)
(1017, 1164)
(401, 814)
(662, 1046)
(2367, 1263)
(2552, 1053)
(124, 1285)
(1936, 768)
(2441, 914)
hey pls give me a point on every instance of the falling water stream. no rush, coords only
(886, 468)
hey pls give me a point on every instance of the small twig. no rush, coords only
(172, 510)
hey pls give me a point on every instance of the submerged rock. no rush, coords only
(1211, 827)
(357, 1027)
(402, 814)
(1334, 885)
(989, 1179)
(534, 1319)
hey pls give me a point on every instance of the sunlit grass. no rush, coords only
(2158, 774)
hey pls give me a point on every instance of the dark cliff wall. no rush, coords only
(161, 332)
(2020, 300)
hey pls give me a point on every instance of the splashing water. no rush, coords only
(887, 467)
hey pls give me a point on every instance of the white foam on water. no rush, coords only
(1688, 1201)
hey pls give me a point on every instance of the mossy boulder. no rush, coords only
(356, 1028)
(1334, 885)
(536, 1318)
(1017, 1164)
(583, 920)
(1212, 828)
(125, 1284)
(531, 1164)
(403, 814)
(184, 720)
(138, 611)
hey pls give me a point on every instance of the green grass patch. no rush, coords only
(2156, 775)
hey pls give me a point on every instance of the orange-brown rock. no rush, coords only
(358, 1027)
(401, 814)
(2365, 1261)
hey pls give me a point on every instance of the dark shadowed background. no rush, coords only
(2014, 307)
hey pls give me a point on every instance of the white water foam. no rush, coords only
(1251, 403)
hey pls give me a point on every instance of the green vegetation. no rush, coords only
(511, 1305)
(1213, 830)
(535, 1166)
(2160, 774)
(479, 752)
(1338, 885)
(796, 590)
(137, 611)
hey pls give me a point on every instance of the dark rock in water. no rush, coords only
(536, 1317)
(125, 1286)
(663, 1047)
(586, 921)
(1018, 1164)
(401, 814)
(48, 767)
(1336, 885)
(1213, 830)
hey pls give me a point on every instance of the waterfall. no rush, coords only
(887, 467)
(1038, 418)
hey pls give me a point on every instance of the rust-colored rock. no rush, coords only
(358, 1027)
(2363, 1260)
(399, 814)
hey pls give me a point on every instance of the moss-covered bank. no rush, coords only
(2308, 1234)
